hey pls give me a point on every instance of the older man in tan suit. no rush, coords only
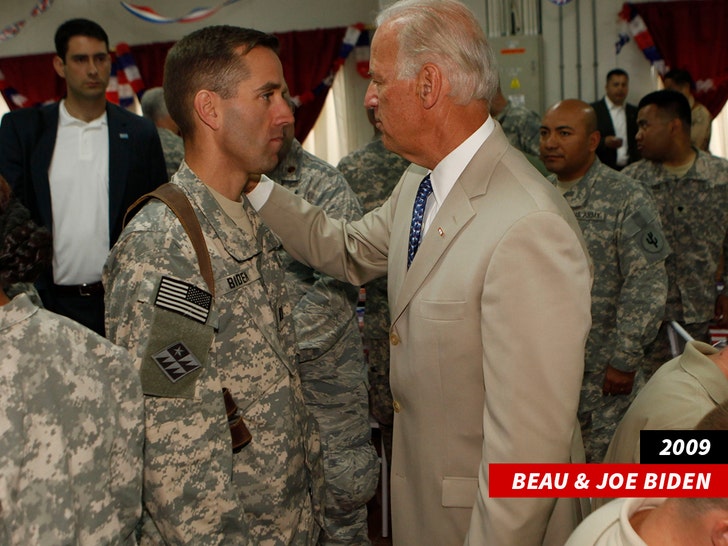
(490, 319)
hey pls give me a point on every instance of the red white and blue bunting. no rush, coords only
(11, 95)
(355, 37)
(197, 14)
(633, 25)
(12, 30)
(125, 80)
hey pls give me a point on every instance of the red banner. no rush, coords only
(608, 480)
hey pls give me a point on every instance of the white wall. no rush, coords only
(266, 15)
(579, 64)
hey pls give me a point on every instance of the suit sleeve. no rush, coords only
(11, 158)
(355, 252)
(535, 317)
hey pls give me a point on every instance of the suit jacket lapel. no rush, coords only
(41, 161)
(454, 214)
(119, 150)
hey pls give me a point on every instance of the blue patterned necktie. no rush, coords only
(418, 213)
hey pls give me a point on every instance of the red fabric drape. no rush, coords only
(693, 35)
(307, 57)
(33, 77)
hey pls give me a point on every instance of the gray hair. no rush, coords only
(446, 33)
(153, 105)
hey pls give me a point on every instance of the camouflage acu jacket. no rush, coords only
(188, 346)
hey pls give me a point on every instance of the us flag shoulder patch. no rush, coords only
(176, 361)
(183, 298)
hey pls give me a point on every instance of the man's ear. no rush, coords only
(429, 85)
(719, 531)
(594, 138)
(206, 104)
(59, 66)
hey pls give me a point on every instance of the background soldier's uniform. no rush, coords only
(173, 148)
(196, 490)
(71, 433)
(333, 372)
(522, 127)
(694, 214)
(622, 229)
(373, 172)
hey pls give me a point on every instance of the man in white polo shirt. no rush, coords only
(77, 165)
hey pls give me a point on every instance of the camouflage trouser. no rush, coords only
(599, 415)
(380, 395)
(659, 351)
(335, 390)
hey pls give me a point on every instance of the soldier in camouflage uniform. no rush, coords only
(622, 229)
(333, 372)
(190, 344)
(690, 188)
(154, 108)
(372, 172)
(71, 422)
(520, 126)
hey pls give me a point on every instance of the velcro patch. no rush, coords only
(184, 298)
(176, 361)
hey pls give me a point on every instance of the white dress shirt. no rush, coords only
(619, 120)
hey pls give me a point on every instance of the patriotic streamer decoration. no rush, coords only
(197, 14)
(560, 2)
(125, 80)
(11, 95)
(13, 29)
(634, 26)
(350, 41)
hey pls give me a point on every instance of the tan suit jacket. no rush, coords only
(487, 340)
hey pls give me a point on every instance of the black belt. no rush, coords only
(79, 290)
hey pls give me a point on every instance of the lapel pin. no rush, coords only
(124, 135)
(441, 232)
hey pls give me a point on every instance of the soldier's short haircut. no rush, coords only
(671, 103)
(211, 59)
(680, 77)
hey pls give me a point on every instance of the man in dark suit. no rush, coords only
(77, 165)
(617, 123)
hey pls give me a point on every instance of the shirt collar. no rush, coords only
(611, 105)
(65, 119)
(444, 175)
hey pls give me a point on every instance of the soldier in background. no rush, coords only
(520, 124)
(690, 188)
(154, 108)
(333, 372)
(700, 118)
(373, 172)
(71, 425)
(622, 229)
(224, 87)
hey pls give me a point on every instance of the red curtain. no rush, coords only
(307, 57)
(693, 35)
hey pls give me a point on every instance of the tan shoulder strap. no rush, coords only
(177, 201)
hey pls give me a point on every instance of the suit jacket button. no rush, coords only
(394, 339)
(396, 406)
